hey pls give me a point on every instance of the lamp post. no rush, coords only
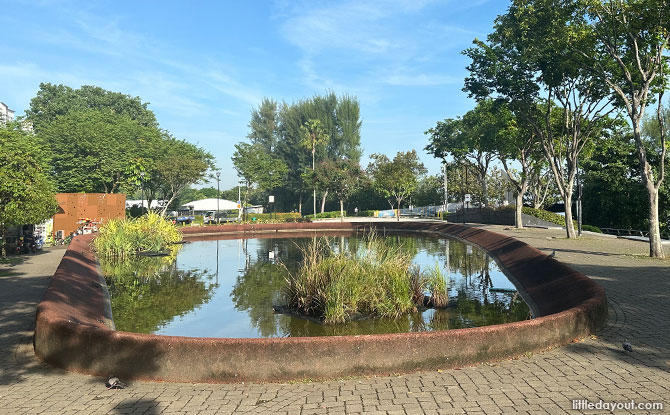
(142, 191)
(218, 195)
(446, 199)
(579, 202)
(239, 198)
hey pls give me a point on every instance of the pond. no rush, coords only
(227, 288)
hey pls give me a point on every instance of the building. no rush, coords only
(6, 114)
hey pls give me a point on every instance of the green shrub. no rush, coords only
(544, 215)
(124, 238)
(591, 228)
(280, 217)
(328, 215)
(378, 280)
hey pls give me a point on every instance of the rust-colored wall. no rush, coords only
(95, 206)
(73, 327)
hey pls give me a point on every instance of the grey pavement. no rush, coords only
(593, 369)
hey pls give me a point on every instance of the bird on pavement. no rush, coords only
(627, 346)
(114, 383)
(553, 254)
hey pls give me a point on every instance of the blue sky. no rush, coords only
(204, 65)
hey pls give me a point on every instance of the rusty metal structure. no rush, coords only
(75, 210)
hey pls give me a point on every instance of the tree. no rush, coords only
(263, 125)
(179, 165)
(468, 141)
(429, 191)
(94, 150)
(341, 177)
(529, 62)
(629, 57)
(396, 179)
(313, 136)
(53, 101)
(26, 194)
(258, 167)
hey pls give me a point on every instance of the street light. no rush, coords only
(218, 194)
(142, 191)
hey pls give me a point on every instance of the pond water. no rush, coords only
(227, 288)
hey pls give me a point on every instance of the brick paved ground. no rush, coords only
(543, 383)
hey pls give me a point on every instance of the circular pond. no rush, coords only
(234, 289)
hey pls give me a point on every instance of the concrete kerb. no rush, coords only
(71, 332)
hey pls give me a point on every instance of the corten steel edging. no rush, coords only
(69, 335)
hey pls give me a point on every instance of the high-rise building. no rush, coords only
(6, 114)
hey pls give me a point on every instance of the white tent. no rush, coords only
(206, 205)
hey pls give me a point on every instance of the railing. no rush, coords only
(630, 232)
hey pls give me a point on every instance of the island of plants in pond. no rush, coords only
(310, 287)
(377, 280)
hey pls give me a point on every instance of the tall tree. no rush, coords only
(26, 193)
(528, 62)
(468, 140)
(313, 137)
(53, 101)
(93, 150)
(629, 57)
(180, 165)
(258, 167)
(396, 179)
(263, 125)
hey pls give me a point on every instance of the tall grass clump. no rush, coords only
(336, 286)
(125, 238)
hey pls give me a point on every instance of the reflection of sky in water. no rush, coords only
(219, 317)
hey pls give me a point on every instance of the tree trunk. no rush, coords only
(3, 249)
(655, 245)
(300, 204)
(323, 201)
(341, 210)
(518, 210)
(569, 225)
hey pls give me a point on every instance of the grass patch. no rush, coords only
(125, 238)
(377, 280)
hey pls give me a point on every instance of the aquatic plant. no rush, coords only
(377, 280)
(125, 238)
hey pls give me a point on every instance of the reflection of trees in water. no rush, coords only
(147, 293)
(256, 291)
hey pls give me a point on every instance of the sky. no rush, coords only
(204, 65)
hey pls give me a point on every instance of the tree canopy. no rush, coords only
(26, 193)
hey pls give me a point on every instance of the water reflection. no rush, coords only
(228, 288)
(148, 293)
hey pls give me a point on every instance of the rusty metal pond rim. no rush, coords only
(74, 328)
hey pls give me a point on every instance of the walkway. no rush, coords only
(543, 383)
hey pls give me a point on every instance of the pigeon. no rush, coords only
(114, 383)
(627, 346)
(553, 254)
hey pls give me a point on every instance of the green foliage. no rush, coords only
(147, 293)
(396, 179)
(378, 280)
(259, 167)
(177, 165)
(26, 193)
(53, 101)
(544, 215)
(94, 150)
(125, 238)
(103, 141)
(279, 217)
(286, 133)
(591, 228)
